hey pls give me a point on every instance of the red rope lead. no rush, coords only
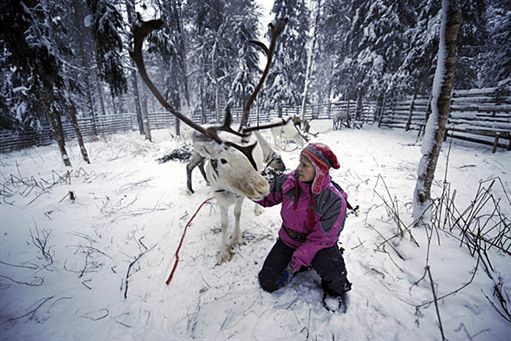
(176, 260)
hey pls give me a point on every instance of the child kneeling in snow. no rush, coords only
(313, 213)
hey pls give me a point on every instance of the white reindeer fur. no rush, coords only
(233, 179)
(286, 132)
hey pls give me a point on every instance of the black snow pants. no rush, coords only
(328, 263)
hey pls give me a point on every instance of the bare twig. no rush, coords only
(104, 313)
(38, 281)
(31, 267)
(40, 241)
(436, 304)
(32, 312)
(128, 274)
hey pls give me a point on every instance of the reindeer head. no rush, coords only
(232, 155)
(233, 171)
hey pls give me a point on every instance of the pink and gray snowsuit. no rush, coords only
(313, 216)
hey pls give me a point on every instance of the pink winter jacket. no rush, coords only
(329, 216)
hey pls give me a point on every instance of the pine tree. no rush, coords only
(333, 27)
(80, 40)
(421, 46)
(286, 80)
(374, 45)
(223, 62)
(142, 119)
(496, 70)
(170, 43)
(107, 25)
(31, 37)
(207, 27)
(472, 39)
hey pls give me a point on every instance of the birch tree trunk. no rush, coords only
(310, 63)
(443, 84)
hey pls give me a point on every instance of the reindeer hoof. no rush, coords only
(238, 241)
(224, 256)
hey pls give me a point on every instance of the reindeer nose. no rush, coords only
(264, 189)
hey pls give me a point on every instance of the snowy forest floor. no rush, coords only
(95, 267)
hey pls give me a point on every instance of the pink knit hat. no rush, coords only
(322, 158)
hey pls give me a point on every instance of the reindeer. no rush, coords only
(233, 159)
(288, 131)
(341, 118)
(271, 159)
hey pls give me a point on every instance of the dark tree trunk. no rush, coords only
(130, 9)
(136, 97)
(72, 112)
(58, 132)
(85, 60)
(145, 116)
(101, 99)
(412, 108)
(358, 112)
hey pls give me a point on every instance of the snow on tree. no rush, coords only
(312, 52)
(496, 69)
(443, 85)
(170, 43)
(107, 24)
(286, 80)
(37, 80)
(332, 28)
(218, 31)
(374, 45)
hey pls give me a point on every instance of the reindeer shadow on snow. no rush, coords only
(231, 161)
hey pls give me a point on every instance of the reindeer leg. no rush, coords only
(236, 238)
(195, 160)
(202, 171)
(225, 249)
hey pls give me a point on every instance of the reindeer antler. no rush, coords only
(266, 126)
(276, 30)
(140, 31)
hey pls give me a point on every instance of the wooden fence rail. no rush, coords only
(477, 115)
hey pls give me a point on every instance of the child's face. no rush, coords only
(305, 170)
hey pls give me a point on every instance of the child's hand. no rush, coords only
(285, 277)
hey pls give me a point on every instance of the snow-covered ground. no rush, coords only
(129, 215)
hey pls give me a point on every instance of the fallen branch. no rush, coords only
(31, 267)
(128, 274)
(32, 312)
(35, 283)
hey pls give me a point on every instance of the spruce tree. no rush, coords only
(285, 83)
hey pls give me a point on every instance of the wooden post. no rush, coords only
(496, 143)
(381, 112)
(410, 114)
